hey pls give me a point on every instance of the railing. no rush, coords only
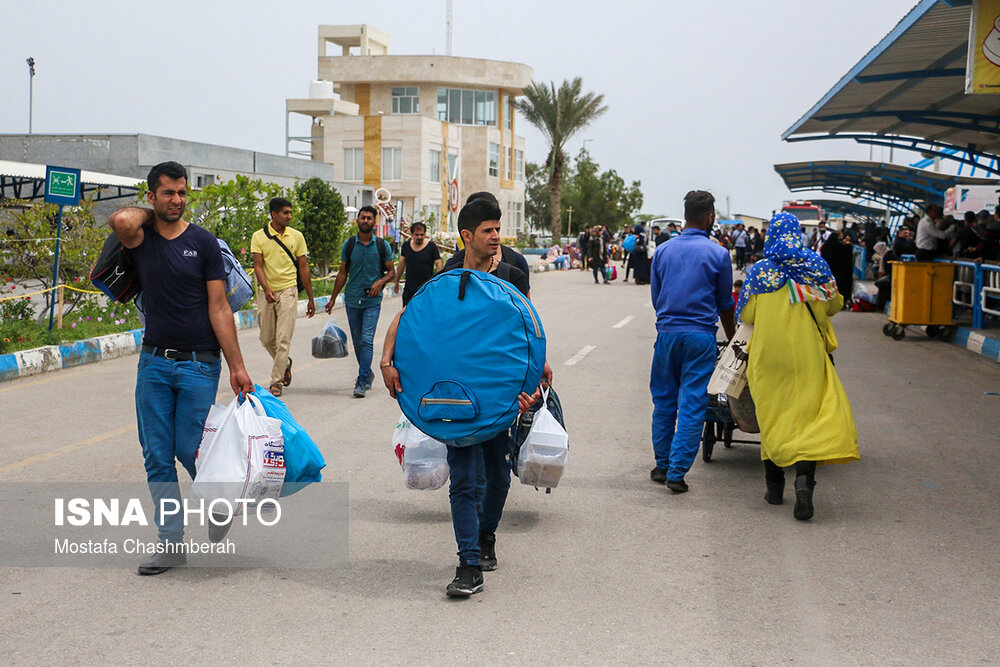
(977, 287)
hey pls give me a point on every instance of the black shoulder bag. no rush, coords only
(298, 277)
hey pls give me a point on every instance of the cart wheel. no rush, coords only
(932, 331)
(945, 334)
(708, 442)
(898, 332)
(887, 328)
(727, 436)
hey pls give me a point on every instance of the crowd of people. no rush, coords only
(793, 283)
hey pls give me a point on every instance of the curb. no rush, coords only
(978, 343)
(112, 346)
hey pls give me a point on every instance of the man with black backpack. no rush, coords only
(279, 262)
(366, 267)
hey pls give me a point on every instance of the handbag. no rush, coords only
(298, 278)
(730, 374)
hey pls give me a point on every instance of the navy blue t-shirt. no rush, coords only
(173, 275)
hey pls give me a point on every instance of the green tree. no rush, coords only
(559, 114)
(536, 195)
(599, 198)
(234, 210)
(322, 221)
(27, 250)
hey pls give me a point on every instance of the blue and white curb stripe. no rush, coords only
(89, 350)
(978, 343)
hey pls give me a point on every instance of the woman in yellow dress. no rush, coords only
(804, 415)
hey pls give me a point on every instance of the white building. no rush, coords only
(422, 127)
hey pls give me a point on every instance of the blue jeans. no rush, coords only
(172, 400)
(469, 521)
(362, 322)
(682, 366)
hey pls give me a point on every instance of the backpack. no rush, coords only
(382, 245)
(457, 323)
(239, 289)
(114, 273)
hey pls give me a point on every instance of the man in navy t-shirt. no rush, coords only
(188, 320)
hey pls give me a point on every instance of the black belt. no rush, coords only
(208, 356)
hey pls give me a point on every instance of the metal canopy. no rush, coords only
(24, 180)
(899, 188)
(909, 92)
(841, 207)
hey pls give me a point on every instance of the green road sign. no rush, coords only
(62, 185)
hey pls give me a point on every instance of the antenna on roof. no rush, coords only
(447, 34)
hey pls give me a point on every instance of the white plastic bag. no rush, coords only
(424, 459)
(331, 342)
(730, 375)
(241, 456)
(544, 455)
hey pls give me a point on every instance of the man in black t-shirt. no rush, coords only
(188, 319)
(419, 258)
(475, 521)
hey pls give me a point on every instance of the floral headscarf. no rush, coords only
(787, 261)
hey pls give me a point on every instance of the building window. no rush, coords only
(467, 107)
(432, 217)
(508, 112)
(435, 166)
(518, 210)
(354, 164)
(405, 100)
(392, 164)
(494, 169)
(519, 165)
(508, 168)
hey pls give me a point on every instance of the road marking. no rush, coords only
(38, 458)
(575, 359)
(623, 322)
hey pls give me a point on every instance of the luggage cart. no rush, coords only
(922, 294)
(720, 423)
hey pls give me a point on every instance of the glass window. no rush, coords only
(491, 109)
(452, 165)
(508, 167)
(508, 111)
(392, 164)
(405, 99)
(468, 107)
(519, 165)
(454, 105)
(494, 163)
(480, 107)
(518, 210)
(435, 166)
(442, 104)
(354, 164)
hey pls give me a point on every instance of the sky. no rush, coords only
(698, 93)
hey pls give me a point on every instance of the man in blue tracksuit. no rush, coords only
(692, 288)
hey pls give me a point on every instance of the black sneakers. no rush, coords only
(488, 552)
(468, 581)
(658, 475)
(775, 491)
(162, 562)
(677, 486)
(803, 510)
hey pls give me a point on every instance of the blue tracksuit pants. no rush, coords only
(682, 365)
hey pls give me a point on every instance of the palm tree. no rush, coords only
(558, 115)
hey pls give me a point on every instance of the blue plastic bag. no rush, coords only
(303, 460)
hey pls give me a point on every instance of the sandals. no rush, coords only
(287, 380)
(275, 389)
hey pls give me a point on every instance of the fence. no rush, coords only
(977, 287)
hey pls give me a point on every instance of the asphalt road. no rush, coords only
(901, 564)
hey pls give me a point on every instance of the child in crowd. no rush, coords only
(737, 286)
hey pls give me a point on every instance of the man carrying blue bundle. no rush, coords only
(692, 283)
(479, 225)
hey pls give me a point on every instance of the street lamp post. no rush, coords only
(31, 88)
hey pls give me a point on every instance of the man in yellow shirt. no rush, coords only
(279, 263)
